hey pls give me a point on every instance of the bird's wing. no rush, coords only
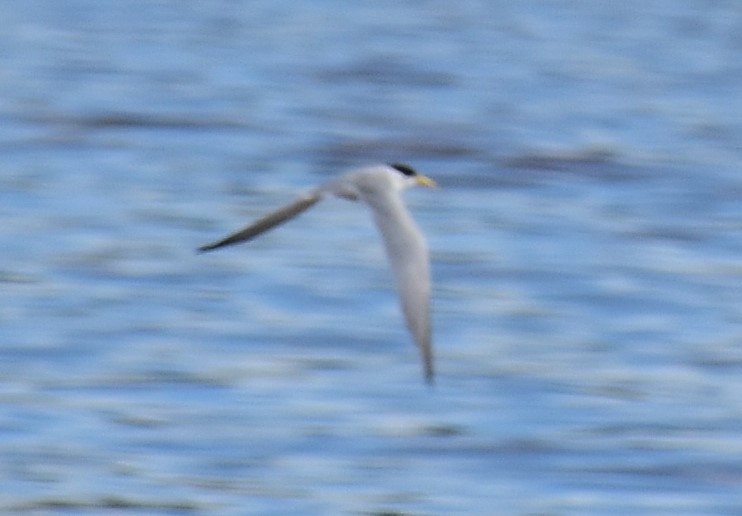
(269, 221)
(408, 257)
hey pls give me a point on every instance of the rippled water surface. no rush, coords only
(585, 244)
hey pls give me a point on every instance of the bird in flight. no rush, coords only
(379, 187)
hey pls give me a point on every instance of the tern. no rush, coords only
(379, 187)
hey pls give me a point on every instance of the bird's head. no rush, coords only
(414, 178)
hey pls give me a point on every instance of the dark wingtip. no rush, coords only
(205, 248)
(429, 373)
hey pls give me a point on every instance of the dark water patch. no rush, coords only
(122, 120)
(473, 169)
(562, 161)
(696, 473)
(728, 360)
(384, 150)
(460, 442)
(673, 234)
(18, 278)
(598, 164)
(140, 381)
(385, 71)
(112, 503)
(444, 430)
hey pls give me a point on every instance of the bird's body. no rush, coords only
(378, 187)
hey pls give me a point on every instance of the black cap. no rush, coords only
(405, 169)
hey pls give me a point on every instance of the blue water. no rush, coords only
(585, 244)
